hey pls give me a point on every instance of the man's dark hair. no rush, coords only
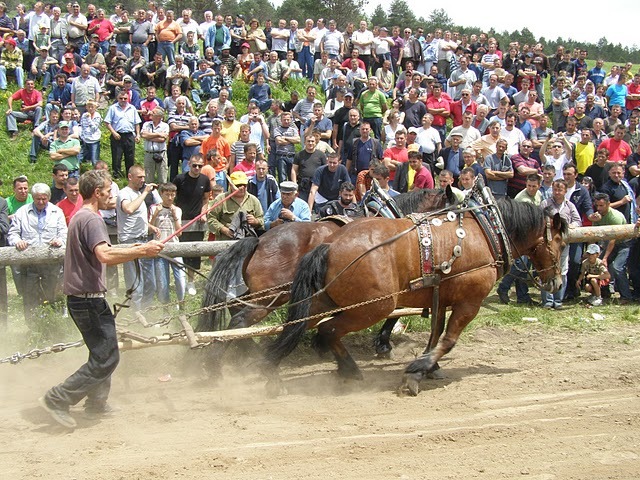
(347, 186)
(534, 177)
(70, 181)
(60, 167)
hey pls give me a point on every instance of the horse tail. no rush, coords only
(221, 275)
(308, 280)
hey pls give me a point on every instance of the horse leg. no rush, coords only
(247, 317)
(437, 327)
(242, 317)
(331, 334)
(460, 317)
(382, 343)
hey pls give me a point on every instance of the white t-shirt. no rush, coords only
(514, 138)
(428, 139)
(360, 37)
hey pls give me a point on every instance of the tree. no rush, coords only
(401, 14)
(260, 9)
(301, 10)
(439, 18)
(379, 17)
(344, 11)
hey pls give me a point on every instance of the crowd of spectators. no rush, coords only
(409, 109)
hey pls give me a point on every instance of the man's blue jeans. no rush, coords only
(517, 274)
(96, 323)
(167, 49)
(305, 59)
(162, 266)
(617, 262)
(284, 164)
(144, 279)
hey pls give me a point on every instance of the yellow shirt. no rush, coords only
(584, 156)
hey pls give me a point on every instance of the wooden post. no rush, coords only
(598, 234)
(48, 255)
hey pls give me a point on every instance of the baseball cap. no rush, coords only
(593, 248)
(239, 178)
(127, 78)
(63, 124)
(412, 130)
(68, 55)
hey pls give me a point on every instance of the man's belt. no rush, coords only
(89, 295)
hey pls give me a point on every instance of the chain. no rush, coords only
(125, 335)
(320, 315)
(37, 352)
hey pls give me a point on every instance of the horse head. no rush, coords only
(545, 254)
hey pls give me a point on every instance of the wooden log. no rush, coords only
(49, 255)
(222, 335)
(598, 234)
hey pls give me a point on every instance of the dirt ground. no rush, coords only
(527, 403)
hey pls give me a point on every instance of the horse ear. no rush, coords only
(557, 222)
(451, 197)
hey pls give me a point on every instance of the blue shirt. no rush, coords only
(62, 95)
(617, 94)
(260, 93)
(122, 120)
(300, 210)
(596, 75)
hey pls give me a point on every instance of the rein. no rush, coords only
(546, 241)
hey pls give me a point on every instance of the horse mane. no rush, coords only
(410, 202)
(521, 219)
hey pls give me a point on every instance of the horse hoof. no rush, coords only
(436, 375)
(350, 375)
(382, 347)
(411, 383)
(388, 355)
(274, 388)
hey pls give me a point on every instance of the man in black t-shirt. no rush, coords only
(305, 164)
(191, 197)
(60, 175)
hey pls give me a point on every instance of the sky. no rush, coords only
(620, 27)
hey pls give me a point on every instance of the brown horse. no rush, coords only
(269, 262)
(368, 268)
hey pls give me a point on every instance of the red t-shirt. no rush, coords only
(433, 102)
(248, 168)
(633, 89)
(69, 209)
(397, 154)
(619, 150)
(105, 27)
(423, 178)
(28, 99)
